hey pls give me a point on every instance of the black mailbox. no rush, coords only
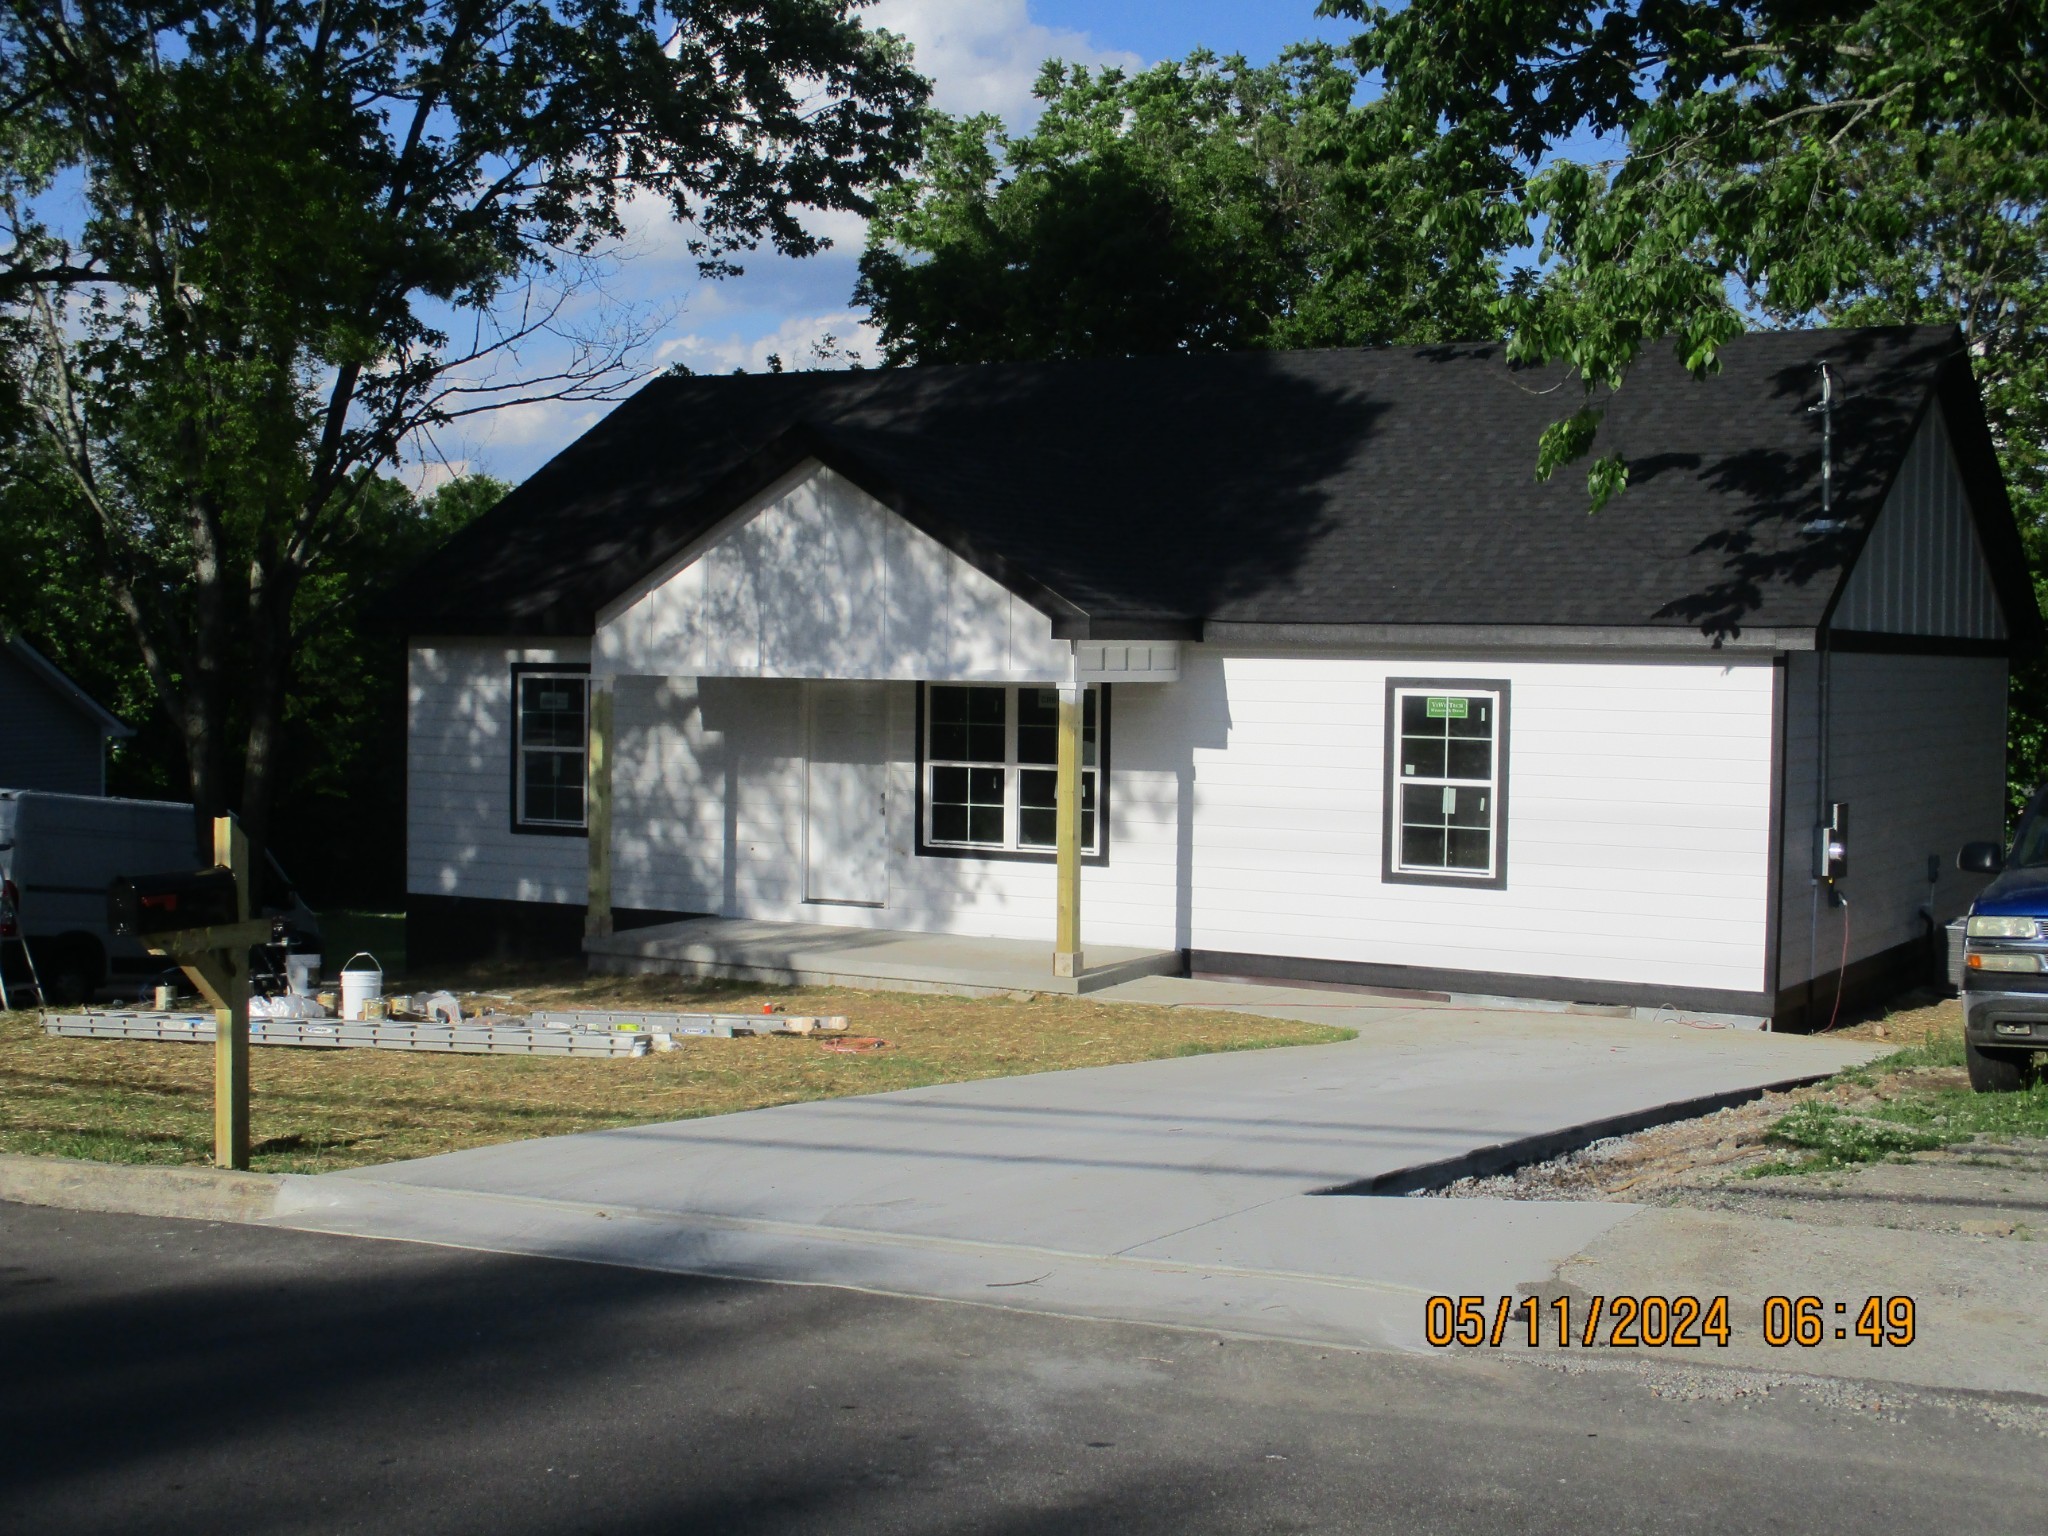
(139, 905)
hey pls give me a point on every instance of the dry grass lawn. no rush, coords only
(141, 1102)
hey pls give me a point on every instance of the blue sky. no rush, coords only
(982, 55)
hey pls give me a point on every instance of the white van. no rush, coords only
(58, 855)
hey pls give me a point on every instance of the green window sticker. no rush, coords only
(1449, 709)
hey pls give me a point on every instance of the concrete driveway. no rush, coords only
(1182, 1191)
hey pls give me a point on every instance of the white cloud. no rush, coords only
(429, 477)
(793, 340)
(983, 55)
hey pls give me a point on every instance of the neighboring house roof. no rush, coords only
(1163, 496)
(59, 682)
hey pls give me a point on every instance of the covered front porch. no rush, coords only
(773, 741)
(823, 955)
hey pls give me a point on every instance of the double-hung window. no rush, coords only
(991, 774)
(551, 749)
(1447, 782)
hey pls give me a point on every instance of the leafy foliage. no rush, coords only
(1775, 162)
(257, 246)
(341, 770)
(1779, 162)
(1200, 204)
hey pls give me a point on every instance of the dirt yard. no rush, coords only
(313, 1110)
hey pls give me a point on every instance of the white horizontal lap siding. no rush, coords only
(1916, 749)
(1638, 808)
(710, 806)
(459, 837)
(817, 579)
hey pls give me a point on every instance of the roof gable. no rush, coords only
(57, 681)
(814, 578)
(1923, 571)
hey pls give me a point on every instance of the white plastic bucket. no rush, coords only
(302, 973)
(360, 984)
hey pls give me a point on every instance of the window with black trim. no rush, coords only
(991, 774)
(551, 750)
(1446, 781)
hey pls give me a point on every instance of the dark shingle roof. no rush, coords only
(1370, 487)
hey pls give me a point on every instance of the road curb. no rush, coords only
(194, 1194)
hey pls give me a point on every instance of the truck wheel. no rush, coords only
(1999, 1071)
(72, 969)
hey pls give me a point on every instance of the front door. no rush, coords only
(845, 794)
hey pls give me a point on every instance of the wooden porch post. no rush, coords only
(1066, 960)
(597, 922)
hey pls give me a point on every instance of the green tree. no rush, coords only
(1774, 162)
(341, 770)
(1200, 204)
(255, 247)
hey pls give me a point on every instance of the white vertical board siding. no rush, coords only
(1638, 819)
(1916, 746)
(710, 805)
(818, 579)
(1923, 571)
(458, 806)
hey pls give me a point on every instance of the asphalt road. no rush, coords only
(167, 1376)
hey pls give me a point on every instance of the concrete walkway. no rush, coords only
(1179, 1191)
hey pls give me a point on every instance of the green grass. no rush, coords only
(1911, 1116)
(137, 1101)
(1834, 1138)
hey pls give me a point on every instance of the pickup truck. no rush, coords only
(2005, 957)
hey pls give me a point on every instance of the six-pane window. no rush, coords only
(991, 768)
(1447, 750)
(554, 743)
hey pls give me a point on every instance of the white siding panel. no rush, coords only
(459, 838)
(820, 580)
(1638, 819)
(1246, 815)
(1923, 571)
(1916, 747)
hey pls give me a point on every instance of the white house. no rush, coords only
(1348, 695)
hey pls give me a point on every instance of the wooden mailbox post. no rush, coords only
(217, 961)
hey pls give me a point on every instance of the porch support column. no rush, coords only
(1066, 960)
(597, 921)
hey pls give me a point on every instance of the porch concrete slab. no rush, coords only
(824, 955)
(1198, 1172)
